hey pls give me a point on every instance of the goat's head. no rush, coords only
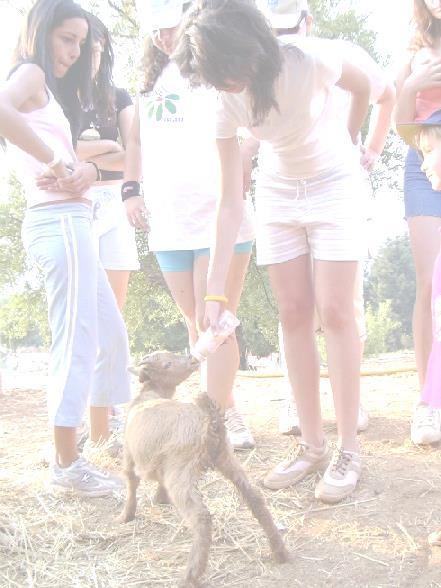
(162, 371)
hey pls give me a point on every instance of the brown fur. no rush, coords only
(175, 443)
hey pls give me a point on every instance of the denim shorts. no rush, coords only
(419, 197)
(183, 260)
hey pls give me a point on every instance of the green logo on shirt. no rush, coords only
(158, 105)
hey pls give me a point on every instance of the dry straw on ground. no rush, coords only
(377, 538)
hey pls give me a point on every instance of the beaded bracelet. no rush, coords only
(215, 298)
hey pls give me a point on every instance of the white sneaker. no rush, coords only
(82, 478)
(340, 478)
(289, 423)
(426, 425)
(302, 460)
(363, 420)
(238, 433)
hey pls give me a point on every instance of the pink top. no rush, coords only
(52, 126)
(427, 102)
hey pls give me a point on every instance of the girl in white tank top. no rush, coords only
(89, 351)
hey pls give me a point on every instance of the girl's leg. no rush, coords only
(111, 382)
(334, 287)
(292, 285)
(222, 366)
(180, 284)
(425, 242)
(119, 281)
(219, 371)
(60, 240)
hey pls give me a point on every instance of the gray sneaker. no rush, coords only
(82, 478)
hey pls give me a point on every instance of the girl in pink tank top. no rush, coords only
(40, 109)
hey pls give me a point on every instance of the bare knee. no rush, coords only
(295, 314)
(335, 316)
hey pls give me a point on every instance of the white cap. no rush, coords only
(159, 14)
(283, 14)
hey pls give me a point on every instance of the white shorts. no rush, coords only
(322, 216)
(115, 238)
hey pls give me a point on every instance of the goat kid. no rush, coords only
(175, 443)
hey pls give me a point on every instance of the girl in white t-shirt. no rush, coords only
(172, 147)
(307, 204)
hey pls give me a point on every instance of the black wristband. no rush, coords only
(130, 189)
(97, 169)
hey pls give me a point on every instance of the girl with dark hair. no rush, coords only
(172, 146)
(104, 131)
(307, 205)
(419, 95)
(89, 351)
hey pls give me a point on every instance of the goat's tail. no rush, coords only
(216, 433)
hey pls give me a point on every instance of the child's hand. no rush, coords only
(426, 75)
(368, 158)
(137, 213)
(79, 181)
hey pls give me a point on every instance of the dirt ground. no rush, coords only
(377, 538)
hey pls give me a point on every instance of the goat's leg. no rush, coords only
(161, 496)
(231, 468)
(184, 494)
(132, 483)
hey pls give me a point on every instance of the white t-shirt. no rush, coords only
(357, 56)
(303, 138)
(181, 165)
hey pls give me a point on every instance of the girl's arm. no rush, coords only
(379, 125)
(88, 150)
(115, 161)
(135, 206)
(27, 84)
(355, 81)
(229, 217)
(426, 75)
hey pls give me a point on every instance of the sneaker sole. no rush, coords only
(281, 485)
(427, 441)
(64, 490)
(333, 499)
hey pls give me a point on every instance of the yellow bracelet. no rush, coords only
(215, 298)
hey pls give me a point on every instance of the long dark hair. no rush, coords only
(73, 91)
(103, 88)
(230, 41)
(427, 31)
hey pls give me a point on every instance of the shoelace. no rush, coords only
(341, 461)
(234, 422)
(296, 451)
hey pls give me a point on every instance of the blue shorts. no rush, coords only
(419, 197)
(182, 260)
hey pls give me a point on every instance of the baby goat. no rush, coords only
(174, 443)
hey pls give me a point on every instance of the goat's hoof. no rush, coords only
(282, 556)
(125, 517)
(190, 583)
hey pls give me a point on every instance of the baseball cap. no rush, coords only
(159, 14)
(409, 131)
(283, 14)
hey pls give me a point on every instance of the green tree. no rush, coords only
(391, 279)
